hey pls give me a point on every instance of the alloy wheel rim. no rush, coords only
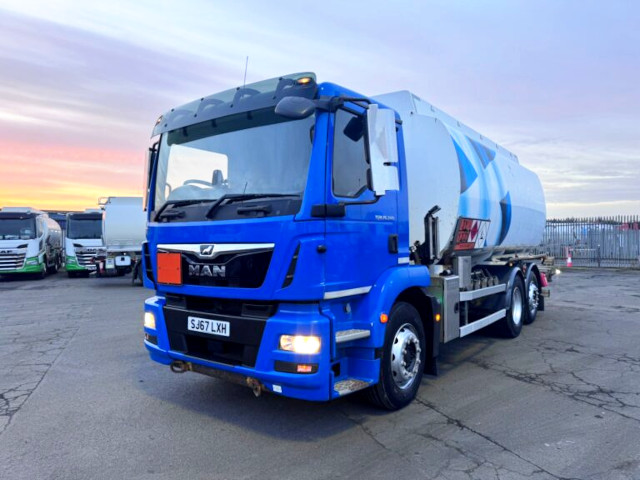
(405, 356)
(516, 306)
(533, 298)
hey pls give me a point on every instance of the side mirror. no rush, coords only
(383, 149)
(148, 168)
(295, 108)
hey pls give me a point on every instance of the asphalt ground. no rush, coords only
(80, 399)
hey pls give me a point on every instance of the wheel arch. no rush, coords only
(514, 273)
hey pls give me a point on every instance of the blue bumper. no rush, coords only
(290, 319)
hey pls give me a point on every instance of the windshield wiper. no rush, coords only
(253, 208)
(238, 197)
(164, 212)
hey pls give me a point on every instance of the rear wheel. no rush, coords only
(511, 325)
(533, 299)
(402, 362)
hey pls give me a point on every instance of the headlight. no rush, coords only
(33, 261)
(149, 320)
(300, 343)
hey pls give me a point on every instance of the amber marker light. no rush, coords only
(301, 368)
(437, 317)
(303, 80)
(384, 318)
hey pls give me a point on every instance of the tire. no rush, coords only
(404, 343)
(45, 269)
(511, 325)
(533, 299)
(53, 268)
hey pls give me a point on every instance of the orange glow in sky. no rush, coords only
(66, 178)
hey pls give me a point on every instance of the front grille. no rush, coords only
(86, 257)
(240, 270)
(11, 261)
(247, 321)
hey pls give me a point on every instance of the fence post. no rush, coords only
(598, 255)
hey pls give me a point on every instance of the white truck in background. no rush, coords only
(83, 242)
(123, 231)
(30, 242)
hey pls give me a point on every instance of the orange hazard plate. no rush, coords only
(169, 268)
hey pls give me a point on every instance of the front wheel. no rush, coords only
(403, 357)
(45, 269)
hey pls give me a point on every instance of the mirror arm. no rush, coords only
(331, 104)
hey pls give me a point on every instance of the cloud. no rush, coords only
(554, 83)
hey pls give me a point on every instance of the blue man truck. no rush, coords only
(309, 241)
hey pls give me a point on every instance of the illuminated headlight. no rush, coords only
(33, 261)
(300, 343)
(149, 320)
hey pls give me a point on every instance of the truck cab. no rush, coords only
(83, 242)
(30, 242)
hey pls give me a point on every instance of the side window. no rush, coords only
(39, 228)
(350, 167)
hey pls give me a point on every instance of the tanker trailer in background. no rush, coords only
(83, 242)
(309, 241)
(123, 231)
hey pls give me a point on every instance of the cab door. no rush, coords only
(364, 242)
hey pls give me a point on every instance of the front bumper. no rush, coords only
(289, 319)
(31, 265)
(72, 265)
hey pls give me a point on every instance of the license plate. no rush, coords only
(212, 327)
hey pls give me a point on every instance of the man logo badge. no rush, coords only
(206, 250)
(207, 270)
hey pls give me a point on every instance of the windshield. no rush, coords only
(86, 228)
(17, 229)
(251, 153)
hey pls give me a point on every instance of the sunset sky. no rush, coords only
(557, 82)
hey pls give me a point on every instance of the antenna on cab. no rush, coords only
(246, 64)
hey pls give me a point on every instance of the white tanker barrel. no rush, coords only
(123, 224)
(489, 202)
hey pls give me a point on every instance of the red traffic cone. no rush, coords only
(569, 261)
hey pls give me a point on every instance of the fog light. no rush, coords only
(300, 343)
(149, 320)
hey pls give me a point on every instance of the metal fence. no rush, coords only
(594, 242)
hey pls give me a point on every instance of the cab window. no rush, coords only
(350, 165)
